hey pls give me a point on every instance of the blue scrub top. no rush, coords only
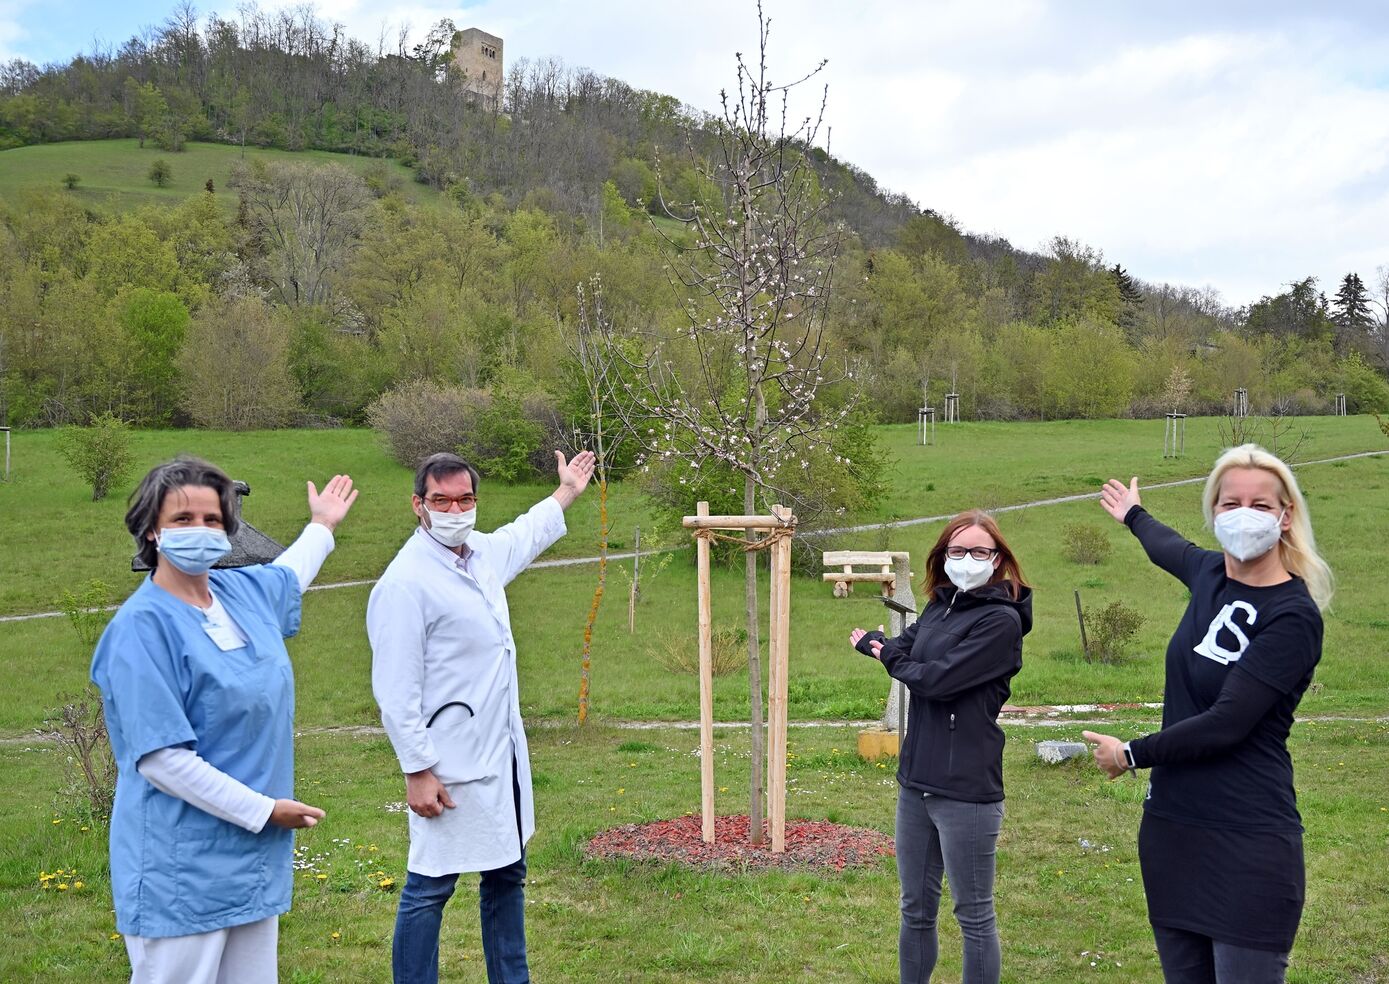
(176, 870)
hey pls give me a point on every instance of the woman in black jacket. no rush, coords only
(956, 660)
(1220, 843)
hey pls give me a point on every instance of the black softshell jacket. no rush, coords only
(956, 660)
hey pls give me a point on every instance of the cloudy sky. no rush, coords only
(1239, 145)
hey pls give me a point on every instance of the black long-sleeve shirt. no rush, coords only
(1237, 667)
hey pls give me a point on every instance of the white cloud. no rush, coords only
(12, 31)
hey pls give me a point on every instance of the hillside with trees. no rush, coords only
(306, 293)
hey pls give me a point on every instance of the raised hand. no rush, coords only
(330, 506)
(1118, 498)
(573, 476)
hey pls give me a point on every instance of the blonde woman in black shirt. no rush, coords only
(1220, 844)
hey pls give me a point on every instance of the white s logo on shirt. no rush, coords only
(1209, 648)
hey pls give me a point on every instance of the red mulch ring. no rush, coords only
(809, 844)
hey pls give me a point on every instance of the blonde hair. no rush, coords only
(1297, 547)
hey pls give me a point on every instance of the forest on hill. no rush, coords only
(302, 294)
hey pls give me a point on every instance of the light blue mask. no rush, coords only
(194, 549)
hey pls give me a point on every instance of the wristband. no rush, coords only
(1128, 759)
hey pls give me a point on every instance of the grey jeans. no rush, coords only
(1190, 958)
(940, 836)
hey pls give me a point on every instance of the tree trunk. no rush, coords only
(759, 741)
(597, 598)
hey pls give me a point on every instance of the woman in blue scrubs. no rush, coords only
(198, 695)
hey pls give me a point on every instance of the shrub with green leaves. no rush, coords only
(161, 173)
(99, 453)
(86, 611)
(1083, 543)
(1110, 630)
(678, 650)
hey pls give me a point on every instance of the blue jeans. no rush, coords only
(415, 949)
(940, 836)
(1190, 958)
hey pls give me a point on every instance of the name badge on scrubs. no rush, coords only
(223, 635)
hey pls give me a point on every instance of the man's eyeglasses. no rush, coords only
(441, 503)
(978, 553)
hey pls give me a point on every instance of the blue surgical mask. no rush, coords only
(194, 549)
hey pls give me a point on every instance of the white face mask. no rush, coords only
(968, 573)
(451, 528)
(1246, 533)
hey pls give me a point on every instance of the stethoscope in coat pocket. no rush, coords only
(456, 742)
(453, 703)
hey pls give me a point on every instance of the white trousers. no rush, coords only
(239, 955)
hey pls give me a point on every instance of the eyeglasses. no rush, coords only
(441, 503)
(978, 553)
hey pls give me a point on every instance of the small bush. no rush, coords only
(86, 610)
(1084, 544)
(678, 651)
(161, 173)
(99, 453)
(70, 181)
(1110, 630)
(419, 418)
(79, 728)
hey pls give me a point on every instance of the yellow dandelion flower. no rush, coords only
(62, 886)
(335, 936)
(114, 936)
(77, 884)
(621, 791)
(321, 877)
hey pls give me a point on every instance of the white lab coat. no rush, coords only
(441, 638)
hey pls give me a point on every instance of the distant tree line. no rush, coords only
(304, 294)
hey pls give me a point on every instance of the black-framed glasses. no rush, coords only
(441, 503)
(978, 553)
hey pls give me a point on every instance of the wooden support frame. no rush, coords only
(925, 425)
(778, 645)
(1174, 436)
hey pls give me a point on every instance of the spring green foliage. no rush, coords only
(161, 172)
(99, 453)
(85, 609)
(1110, 631)
(1085, 543)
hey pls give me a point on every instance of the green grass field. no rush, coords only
(1061, 906)
(116, 172)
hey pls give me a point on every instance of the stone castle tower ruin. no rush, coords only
(478, 56)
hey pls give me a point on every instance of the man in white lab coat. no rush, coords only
(444, 673)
